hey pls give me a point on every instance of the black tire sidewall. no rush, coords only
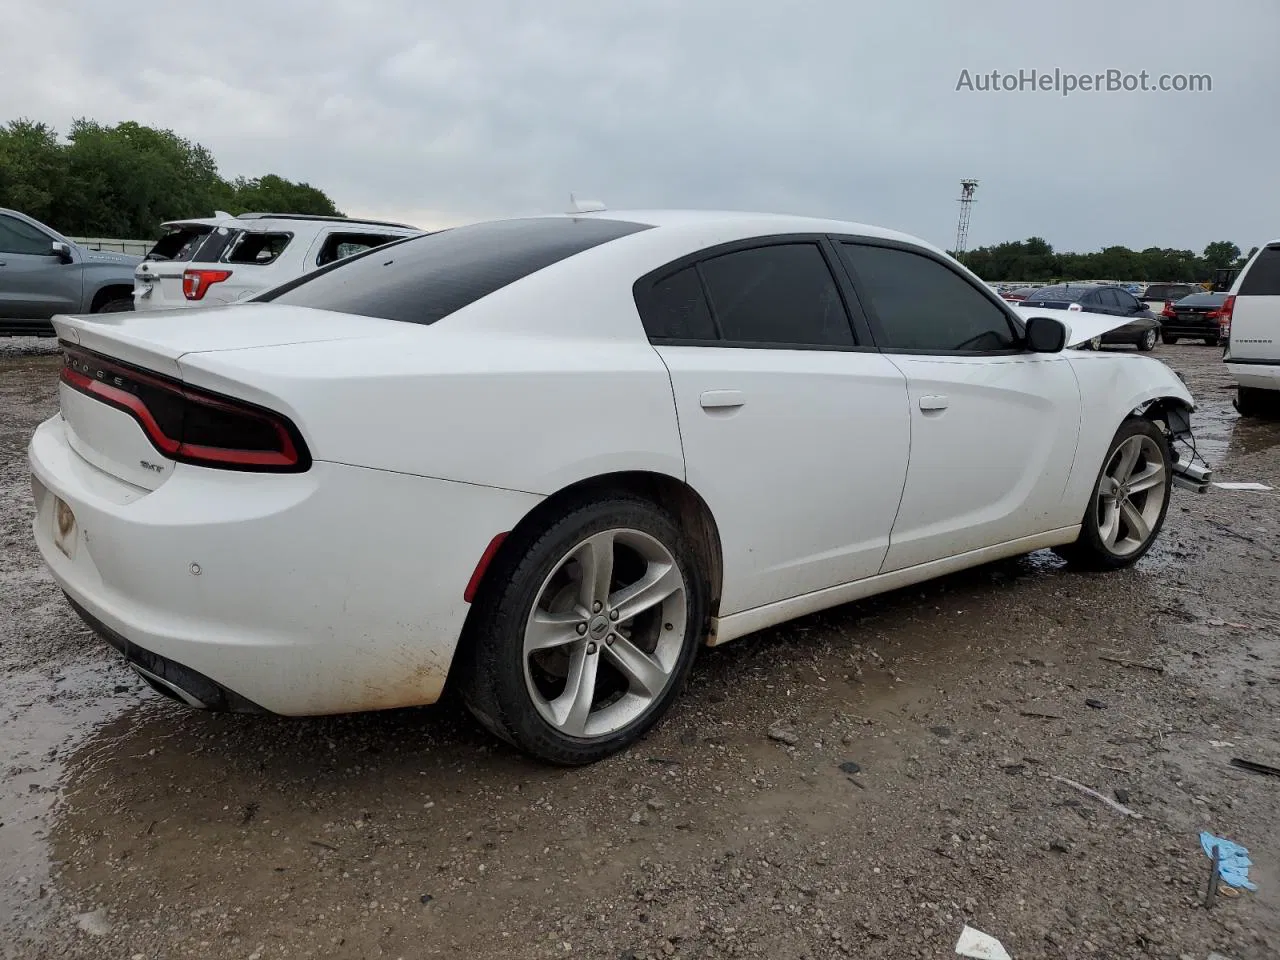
(494, 687)
(1089, 548)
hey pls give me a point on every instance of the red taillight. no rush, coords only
(1168, 311)
(188, 424)
(196, 283)
(1224, 316)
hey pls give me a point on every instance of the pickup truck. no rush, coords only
(43, 273)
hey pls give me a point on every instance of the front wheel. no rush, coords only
(588, 632)
(1148, 341)
(1129, 500)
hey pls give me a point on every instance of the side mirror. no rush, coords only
(1046, 335)
(61, 251)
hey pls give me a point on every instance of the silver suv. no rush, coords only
(225, 258)
(43, 273)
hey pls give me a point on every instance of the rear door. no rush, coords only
(795, 429)
(34, 284)
(1255, 316)
(993, 427)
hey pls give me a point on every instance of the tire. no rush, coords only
(1210, 341)
(1100, 545)
(535, 594)
(118, 305)
(1252, 402)
(1147, 342)
(1168, 339)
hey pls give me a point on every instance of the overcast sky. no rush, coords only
(444, 112)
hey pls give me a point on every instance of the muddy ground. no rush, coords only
(131, 827)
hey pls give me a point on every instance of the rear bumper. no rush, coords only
(1184, 329)
(1259, 376)
(332, 591)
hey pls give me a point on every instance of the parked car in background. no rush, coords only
(217, 260)
(1250, 323)
(1018, 295)
(352, 432)
(1157, 295)
(1195, 317)
(43, 273)
(1142, 329)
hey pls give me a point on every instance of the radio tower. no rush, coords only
(967, 188)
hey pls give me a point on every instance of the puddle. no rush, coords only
(44, 716)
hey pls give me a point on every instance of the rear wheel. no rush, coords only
(588, 632)
(1147, 341)
(1210, 341)
(1169, 338)
(1252, 402)
(1129, 500)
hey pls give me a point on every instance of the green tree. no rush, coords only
(1221, 254)
(124, 180)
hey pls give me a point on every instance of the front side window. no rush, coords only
(18, 236)
(1107, 298)
(780, 294)
(925, 306)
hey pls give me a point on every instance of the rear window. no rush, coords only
(1262, 279)
(1064, 293)
(1203, 300)
(423, 279)
(259, 248)
(178, 244)
(1168, 291)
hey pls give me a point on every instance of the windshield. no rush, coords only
(424, 278)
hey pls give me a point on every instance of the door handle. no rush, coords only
(933, 403)
(721, 399)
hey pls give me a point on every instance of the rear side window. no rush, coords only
(782, 294)
(425, 278)
(259, 248)
(1262, 279)
(675, 309)
(925, 306)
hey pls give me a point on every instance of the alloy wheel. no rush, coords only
(604, 637)
(1131, 495)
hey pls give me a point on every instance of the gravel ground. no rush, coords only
(858, 783)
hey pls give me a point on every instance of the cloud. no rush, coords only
(443, 114)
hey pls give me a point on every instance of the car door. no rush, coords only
(993, 427)
(1097, 301)
(34, 282)
(795, 429)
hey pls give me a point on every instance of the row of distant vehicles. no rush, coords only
(223, 259)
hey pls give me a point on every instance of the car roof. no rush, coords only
(748, 223)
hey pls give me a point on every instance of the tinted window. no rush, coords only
(178, 244)
(259, 248)
(425, 278)
(783, 293)
(1262, 279)
(18, 236)
(1126, 301)
(924, 305)
(1203, 300)
(1065, 293)
(1105, 298)
(675, 309)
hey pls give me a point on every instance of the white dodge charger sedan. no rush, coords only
(546, 459)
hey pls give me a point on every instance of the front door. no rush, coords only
(993, 427)
(34, 283)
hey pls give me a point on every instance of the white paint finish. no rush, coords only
(803, 478)
(335, 590)
(423, 436)
(1255, 334)
(1112, 386)
(728, 628)
(989, 463)
(112, 440)
(1260, 376)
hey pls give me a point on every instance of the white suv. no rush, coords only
(221, 259)
(1250, 326)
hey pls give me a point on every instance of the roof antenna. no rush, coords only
(584, 206)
